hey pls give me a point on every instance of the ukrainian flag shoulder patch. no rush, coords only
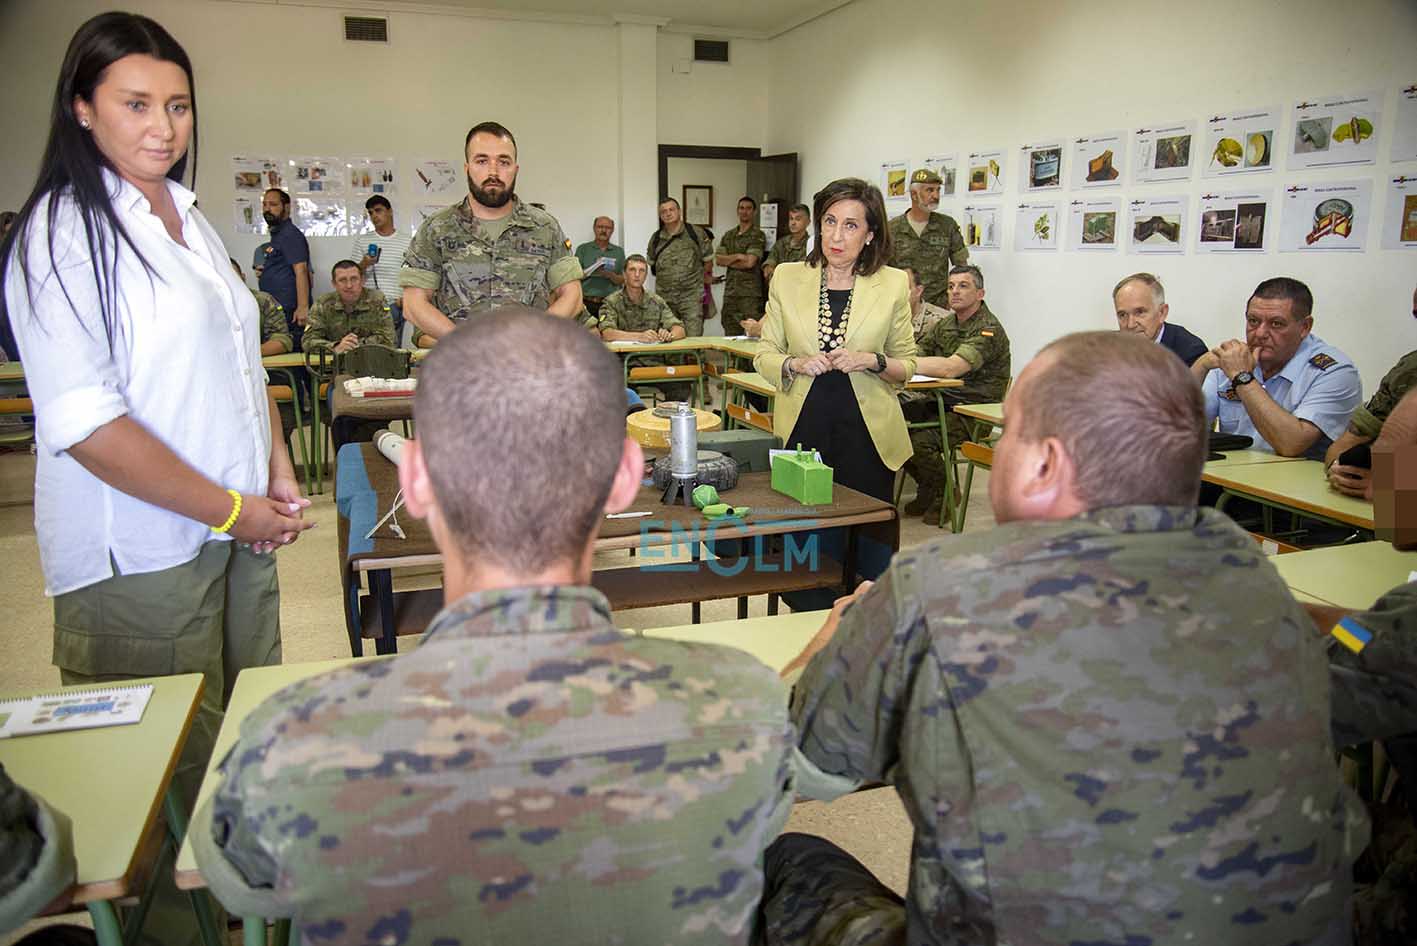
(1351, 634)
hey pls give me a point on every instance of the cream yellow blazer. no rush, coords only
(879, 322)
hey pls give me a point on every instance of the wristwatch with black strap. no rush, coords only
(880, 364)
(1243, 378)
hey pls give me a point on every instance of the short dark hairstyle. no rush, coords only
(874, 254)
(749, 200)
(636, 258)
(523, 485)
(490, 128)
(973, 271)
(344, 264)
(1286, 287)
(284, 197)
(378, 200)
(668, 200)
(1128, 413)
(802, 209)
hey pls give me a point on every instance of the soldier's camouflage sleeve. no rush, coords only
(667, 318)
(705, 245)
(423, 260)
(1374, 692)
(563, 266)
(959, 253)
(381, 329)
(757, 244)
(611, 312)
(317, 333)
(1367, 421)
(273, 327)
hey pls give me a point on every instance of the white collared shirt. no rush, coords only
(185, 363)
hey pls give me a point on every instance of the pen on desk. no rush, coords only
(626, 515)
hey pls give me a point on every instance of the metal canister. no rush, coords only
(683, 439)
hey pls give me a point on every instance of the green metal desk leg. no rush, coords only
(947, 504)
(317, 433)
(201, 900)
(281, 936)
(300, 434)
(253, 931)
(105, 923)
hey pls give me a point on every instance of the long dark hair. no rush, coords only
(875, 254)
(72, 163)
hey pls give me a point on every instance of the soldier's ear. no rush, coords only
(417, 488)
(628, 475)
(1049, 484)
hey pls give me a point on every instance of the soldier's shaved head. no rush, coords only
(521, 424)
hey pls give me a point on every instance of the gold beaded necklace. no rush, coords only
(828, 337)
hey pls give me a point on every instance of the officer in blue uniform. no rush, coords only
(1284, 386)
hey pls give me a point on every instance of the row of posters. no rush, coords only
(1332, 216)
(328, 193)
(1328, 131)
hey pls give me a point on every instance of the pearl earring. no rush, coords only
(84, 124)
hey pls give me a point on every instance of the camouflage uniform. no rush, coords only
(1367, 421)
(469, 270)
(742, 288)
(36, 854)
(1109, 729)
(528, 774)
(370, 319)
(273, 327)
(651, 312)
(982, 342)
(784, 251)
(931, 254)
(679, 273)
(926, 318)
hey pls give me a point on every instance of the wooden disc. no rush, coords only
(653, 432)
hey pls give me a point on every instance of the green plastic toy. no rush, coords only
(803, 477)
(705, 496)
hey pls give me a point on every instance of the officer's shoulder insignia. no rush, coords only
(1323, 361)
(1230, 394)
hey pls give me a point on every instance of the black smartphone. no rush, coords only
(1360, 456)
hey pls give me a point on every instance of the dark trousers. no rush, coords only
(816, 894)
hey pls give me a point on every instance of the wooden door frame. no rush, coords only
(711, 152)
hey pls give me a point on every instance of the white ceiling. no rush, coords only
(750, 19)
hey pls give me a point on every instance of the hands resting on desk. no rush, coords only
(1351, 481)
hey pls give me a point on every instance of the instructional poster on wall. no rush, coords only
(254, 175)
(1099, 160)
(1400, 221)
(947, 166)
(986, 172)
(317, 176)
(1328, 217)
(1036, 226)
(1092, 223)
(247, 213)
(320, 216)
(1335, 130)
(893, 177)
(1241, 142)
(1158, 224)
(436, 177)
(1163, 152)
(1404, 131)
(983, 226)
(356, 217)
(369, 176)
(1233, 223)
(1042, 166)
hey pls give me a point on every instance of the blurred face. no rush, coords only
(746, 211)
(1137, 311)
(965, 297)
(845, 232)
(1273, 333)
(669, 214)
(273, 209)
(917, 291)
(603, 228)
(925, 196)
(349, 283)
(381, 217)
(491, 169)
(140, 117)
(1414, 292)
(797, 225)
(635, 274)
(1395, 495)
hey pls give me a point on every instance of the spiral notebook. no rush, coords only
(74, 709)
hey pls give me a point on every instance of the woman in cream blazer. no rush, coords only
(838, 343)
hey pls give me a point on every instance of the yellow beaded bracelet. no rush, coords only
(235, 513)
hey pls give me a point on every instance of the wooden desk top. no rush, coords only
(12, 371)
(109, 781)
(1346, 576)
(994, 413)
(752, 381)
(774, 639)
(1247, 458)
(1298, 484)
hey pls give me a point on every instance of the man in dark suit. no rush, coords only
(1140, 301)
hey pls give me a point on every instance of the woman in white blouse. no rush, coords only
(163, 483)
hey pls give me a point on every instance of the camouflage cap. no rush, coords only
(925, 176)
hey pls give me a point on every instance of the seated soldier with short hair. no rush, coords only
(634, 314)
(529, 773)
(350, 316)
(1107, 718)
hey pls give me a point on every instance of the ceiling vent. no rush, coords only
(366, 29)
(710, 50)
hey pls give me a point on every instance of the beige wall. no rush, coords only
(877, 81)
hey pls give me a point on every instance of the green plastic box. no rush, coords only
(803, 477)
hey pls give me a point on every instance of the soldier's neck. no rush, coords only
(918, 214)
(634, 294)
(963, 316)
(745, 227)
(460, 581)
(489, 213)
(798, 238)
(674, 229)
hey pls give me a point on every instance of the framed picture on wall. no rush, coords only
(698, 204)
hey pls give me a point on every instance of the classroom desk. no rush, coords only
(12, 371)
(366, 483)
(773, 640)
(1346, 576)
(1297, 485)
(110, 782)
(993, 413)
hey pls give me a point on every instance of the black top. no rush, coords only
(1187, 346)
